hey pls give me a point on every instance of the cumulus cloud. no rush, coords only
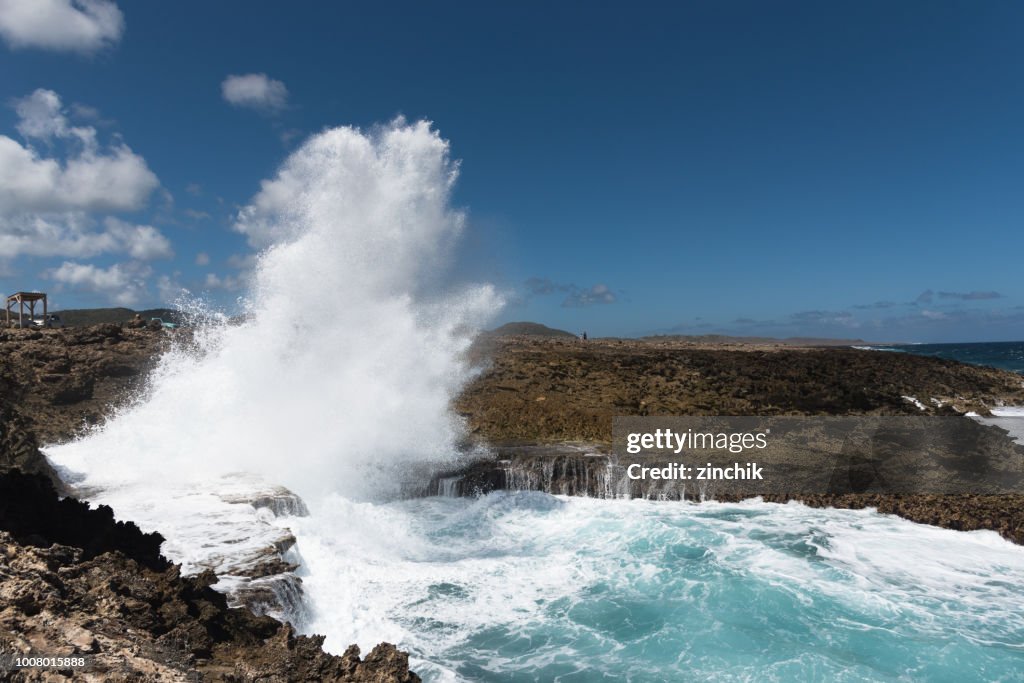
(77, 235)
(142, 242)
(123, 284)
(576, 297)
(84, 111)
(40, 115)
(47, 200)
(540, 286)
(255, 91)
(69, 235)
(89, 179)
(118, 180)
(202, 259)
(596, 295)
(65, 25)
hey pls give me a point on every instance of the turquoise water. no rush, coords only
(1003, 355)
(532, 587)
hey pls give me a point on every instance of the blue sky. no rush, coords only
(786, 168)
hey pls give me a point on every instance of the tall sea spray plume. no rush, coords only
(352, 347)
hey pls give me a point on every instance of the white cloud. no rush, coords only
(88, 179)
(40, 115)
(76, 235)
(47, 201)
(202, 259)
(123, 284)
(84, 111)
(90, 275)
(73, 25)
(596, 295)
(142, 242)
(34, 235)
(118, 180)
(255, 91)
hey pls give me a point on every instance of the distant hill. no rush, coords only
(80, 317)
(531, 329)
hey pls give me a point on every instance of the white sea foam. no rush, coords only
(1008, 411)
(1010, 419)
(577, 579)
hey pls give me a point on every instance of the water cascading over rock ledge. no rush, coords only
(590, 470)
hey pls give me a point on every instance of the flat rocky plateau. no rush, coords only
(557, 390)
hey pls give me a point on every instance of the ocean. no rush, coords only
(341, 401)
(1002, 355)
(532, 587)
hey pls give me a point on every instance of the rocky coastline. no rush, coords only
(546, 406)
(79, 585)
(77, 581)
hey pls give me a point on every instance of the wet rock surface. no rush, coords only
(32, 514)
(74, 582)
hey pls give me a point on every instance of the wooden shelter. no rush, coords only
(23, 300)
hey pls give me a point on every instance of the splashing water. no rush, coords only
(528, 586)
(351, 351)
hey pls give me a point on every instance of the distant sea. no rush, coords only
(1003, 355)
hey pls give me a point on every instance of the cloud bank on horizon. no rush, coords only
(122, 184)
